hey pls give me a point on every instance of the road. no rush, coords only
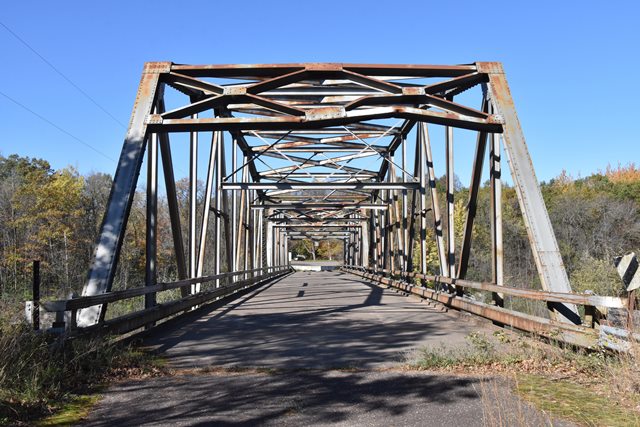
(319, 348)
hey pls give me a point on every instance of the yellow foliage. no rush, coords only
(623, 174)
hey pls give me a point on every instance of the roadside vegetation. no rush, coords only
(40, 375)
(592, 388)
(54, 216)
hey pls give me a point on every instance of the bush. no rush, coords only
(598, 276)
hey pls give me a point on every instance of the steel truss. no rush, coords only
(322, 151)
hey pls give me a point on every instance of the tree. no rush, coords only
(330, 249)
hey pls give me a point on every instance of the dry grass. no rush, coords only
(40, 374)
(590, 388)
(501, 409)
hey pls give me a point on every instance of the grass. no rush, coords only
(567, 399)
(479, 351)
(72, 412)
(41, 375)
(590, 388)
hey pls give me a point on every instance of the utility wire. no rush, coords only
(78, 88)
(61, 74)
(44, 119)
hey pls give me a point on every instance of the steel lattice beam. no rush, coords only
(314, 151)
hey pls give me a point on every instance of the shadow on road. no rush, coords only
(302, 398)
(318, 320)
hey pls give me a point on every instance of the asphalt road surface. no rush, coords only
(319, 348)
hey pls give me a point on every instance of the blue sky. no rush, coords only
(571, 65)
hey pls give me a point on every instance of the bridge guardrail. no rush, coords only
(138, 319)
(446, 291)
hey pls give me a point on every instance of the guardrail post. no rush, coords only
(59, 323)
(35, 308)
(589, 316)
(73, 319)
(628, 267)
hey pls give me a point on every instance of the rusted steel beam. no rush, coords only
(546, 252)
(334, 117)
(89, 301)
(364, 112)
(474, 188)
(560, 297)
(172, 203)
(316, 205)
(151, 237)
(105, 259)
(271, 70)
(572, 334)
(138, 319)
(321, 149)
(319, 185)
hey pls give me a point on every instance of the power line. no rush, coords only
(86, 95)
(44, 119)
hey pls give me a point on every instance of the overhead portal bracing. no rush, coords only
(322, 150)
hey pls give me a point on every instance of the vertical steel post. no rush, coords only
(260, 244)
(364, 236)
(211, 170)
(344, 252)
(234, 205)
(174, 214)
(405, 222)
(450, 179)
(276, 245)
(389, 254)
(151, 221)
(193, 200)
(397, 225)
(435, 204)
(474, 188)
(245, 221)
(269, 244)
(421, 152)
(228, 238)
(378, 231)
(414, 201)
(384, 231)
(286, 249)
(254, 243)
(374, 239)
(217, 243)
(497, 252)
(251, 231)
(362, 239)
(241, 226)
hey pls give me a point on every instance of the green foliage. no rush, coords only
(330, 249)
(71, 413)
(598, 276)
(41, 217)
(326, 249)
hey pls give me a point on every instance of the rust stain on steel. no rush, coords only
(573, 334)
(360, 111)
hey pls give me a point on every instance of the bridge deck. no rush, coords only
(313, 320)
(328, 319)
